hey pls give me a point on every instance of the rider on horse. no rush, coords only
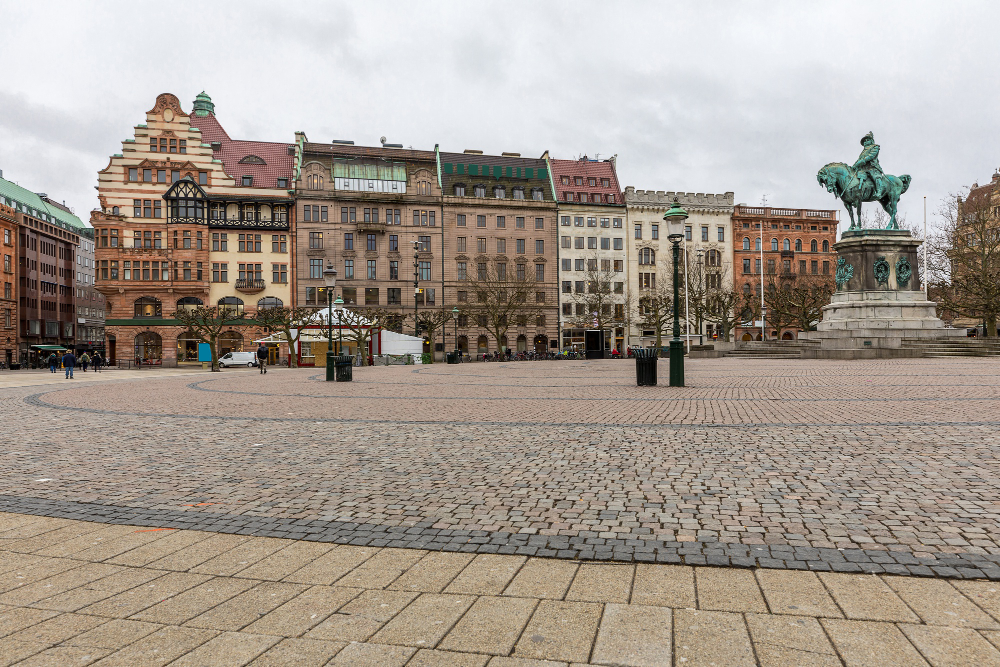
(867, 166)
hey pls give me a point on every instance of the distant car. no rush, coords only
(248, 359)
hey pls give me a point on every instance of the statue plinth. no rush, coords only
(879, 301)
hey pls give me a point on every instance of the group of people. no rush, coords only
(70, 360)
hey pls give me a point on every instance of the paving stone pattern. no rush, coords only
(881, 466)
(84, 593)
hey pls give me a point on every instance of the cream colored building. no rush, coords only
(707, 243)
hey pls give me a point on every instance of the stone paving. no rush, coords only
(884, 466)
(82, 593)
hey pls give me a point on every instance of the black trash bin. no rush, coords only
(451, 358)
(645, 367)
(344, 368)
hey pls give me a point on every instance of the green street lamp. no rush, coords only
(454, 318)
(338, 306)
(675, 218)
(330, 277)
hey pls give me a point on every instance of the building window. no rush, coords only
(220, 242)
(481, 245)
(348, 268)
(372, 275)
(564, 221)
(220, 272)
(315, 268)
(480, 221)
(459, 189)
(567, 264)
(704, 233)
(247, 181)
(519, 246)
(372, 242)
(501, 246)
(249, 242)
(826, 246)
(647, 256)
(687, 233)
(536, 194)
(424, 269)
(786, 244)
(394, 270)
(460, 272)
(540, 246)
(460, 220)
(798, 245)
(814, 267)
(592, 243)
(638, 231)
(481, 271)
(539, 273)
(578, 264)
(394, 296)
(279, 243)
(424, 244)
(566, 242)
(479, 191)
(826, 268)
(461, 244)
(539, 223)
(348, 241)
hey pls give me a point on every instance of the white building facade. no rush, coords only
(707, 244)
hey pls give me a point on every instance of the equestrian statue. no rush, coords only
(864, 181)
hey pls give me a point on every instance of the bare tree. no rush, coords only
(797, 302)
(288, 321)
(964, 269)
(208, 322)
(500, 297)
(362, 324)
(430, 321)
(596, 305)
(722, 300)
(656, 304)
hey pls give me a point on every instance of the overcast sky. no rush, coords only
(752, 97)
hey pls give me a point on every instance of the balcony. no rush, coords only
(250, 285)
(363, 226)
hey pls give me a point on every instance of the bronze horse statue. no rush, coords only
(847, 184)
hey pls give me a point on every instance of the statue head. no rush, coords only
(868, 139)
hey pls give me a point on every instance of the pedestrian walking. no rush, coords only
(53, 361)
(84, 361)
(97, 362)
(262, 358)
(69, 361)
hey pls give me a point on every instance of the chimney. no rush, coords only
(505, 154)
(472, 151)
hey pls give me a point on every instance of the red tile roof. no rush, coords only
(585, 169)
(277, 162)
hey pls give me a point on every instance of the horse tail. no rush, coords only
(905, 178)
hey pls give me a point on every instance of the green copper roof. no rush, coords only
(31, 204)
(203, 105)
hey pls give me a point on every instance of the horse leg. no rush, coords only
(850, 212)
(889, 206)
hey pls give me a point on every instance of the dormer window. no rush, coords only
(252, 159)
(460, 189)
(480, 191)
(518, 193)
(564, 180)
(282, 182)
(569, 196)
(536, 194)
(592, 182)
(578, 180)
(216, 146)
(605, 182)
(247, 181)
(499, 191)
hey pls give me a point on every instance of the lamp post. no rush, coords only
(701, 290)
(675, 218)
(454, 318)
(338, 306)
(330, 276)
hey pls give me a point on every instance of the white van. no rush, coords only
(248, 359)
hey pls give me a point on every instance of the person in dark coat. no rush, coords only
(262, 358)
(53, 362)
(69, 361)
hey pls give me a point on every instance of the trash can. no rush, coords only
(344, 367)
(453, 357)
(645, 367)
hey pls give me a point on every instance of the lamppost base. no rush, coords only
(331, 366)
(676, 363)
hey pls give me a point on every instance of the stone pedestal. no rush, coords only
(878, 302)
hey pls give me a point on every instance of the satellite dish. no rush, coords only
(382, 139)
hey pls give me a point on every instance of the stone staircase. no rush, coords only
(954, 347)
(771, 349)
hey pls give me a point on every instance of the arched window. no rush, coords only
(482, 345)
(756, 243)
(786, 245)
(798, 245)
(536, 194)
(314, 182)
(231, 303)
(230, 341)
(499, 191)
(114, 210)
(463, 344)
(746, 243)
(522, 343)
(459, 189)
(147, 306)
(479, 190)
(774, 244)
(148, 348)
(746, 288)
(812, 245)
(189, 303)
(646, 256)
(252, 159)
(826, 246)
(518, 192)
(269, 302)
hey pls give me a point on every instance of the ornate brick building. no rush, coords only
(374, 214)
(591, 244)
(500, 211)
(777, 247)
(190, 216)
(42, 273)
(8, 297)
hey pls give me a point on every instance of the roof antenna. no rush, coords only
(597, 156)
(763, 199)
